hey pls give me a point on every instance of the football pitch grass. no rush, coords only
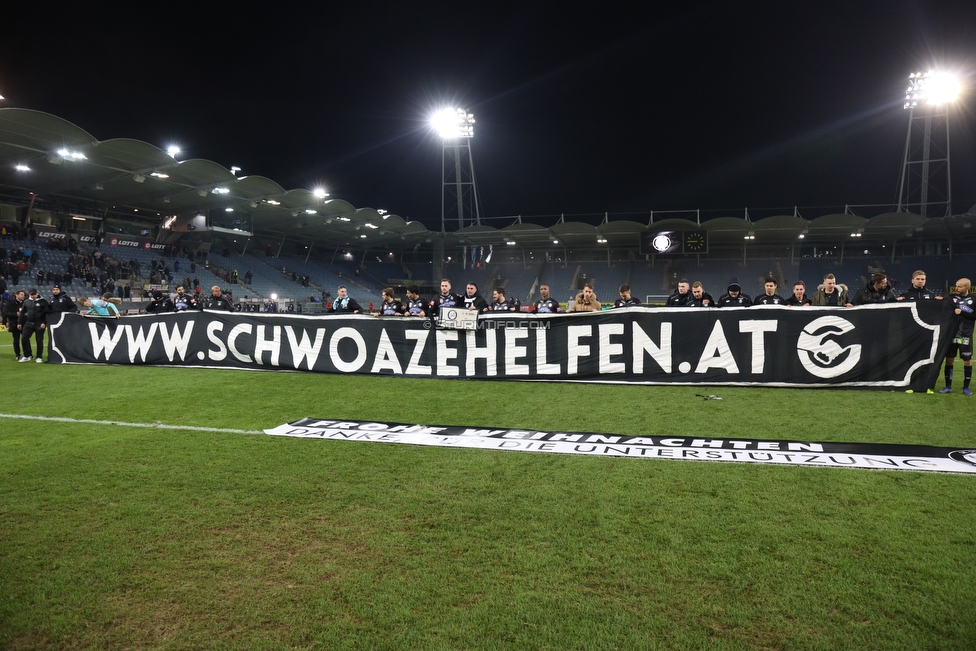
(115, 537)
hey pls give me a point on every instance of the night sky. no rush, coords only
(579, 110)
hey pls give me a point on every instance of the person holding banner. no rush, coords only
(499, 302)
(218, 301)
(344, 304)
(733, 296)
(830, 294)
(104, 306)
(799, 297)
(446, 298)
(770, 297)
(962, 342)
(416, 305)
(876, 291)
(918, 291)
(681, 296)
(473, 300)
(585, 301)
(390, 305)
(626, 298)
(546, 304)
(699, 297)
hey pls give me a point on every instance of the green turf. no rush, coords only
(116, 537)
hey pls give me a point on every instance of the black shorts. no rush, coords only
(964, 350)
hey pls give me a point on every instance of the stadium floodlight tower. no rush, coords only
(926, 181)
(459, 189)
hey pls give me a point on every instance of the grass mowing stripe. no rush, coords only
(194, 428)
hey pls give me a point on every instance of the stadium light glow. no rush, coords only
(173, 151)
(73, 155)
(453, 123)
(320, 193)
(931, 87)
(22, 168)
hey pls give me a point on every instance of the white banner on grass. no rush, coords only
(798, 453)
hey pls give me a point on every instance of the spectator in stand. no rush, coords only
(770, 297)
(799, 296)
(918, 291)
(681, 295)
(626, 298)
(499, 303)
(699, 297)
(830, 294)
(473, 300)
(416, 305)
(217, 301)
(11, 315)
(546, 304)
(876, 291)
(585, 301)
(344, 304)
(733, 296)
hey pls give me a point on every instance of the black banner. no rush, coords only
(884, 346)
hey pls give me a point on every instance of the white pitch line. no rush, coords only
(124, 424)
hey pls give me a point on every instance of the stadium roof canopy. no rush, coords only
(47, 158)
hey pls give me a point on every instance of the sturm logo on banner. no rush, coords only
(819, 351)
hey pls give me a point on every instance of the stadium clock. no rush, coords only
(696, 241)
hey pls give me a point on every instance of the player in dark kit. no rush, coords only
(183, 301)
(962, 342)
(546, 304)
(446, 298)
(699, 297)
(390, 305)
(770, 297)
(499, 303)
(918, 291)
(416, 306)
(626, 298)
(733, 296)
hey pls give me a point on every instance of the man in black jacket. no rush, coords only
(33, 321)
(11, 314)
(343, 303)
(733, 296)
(918, 291)
(160, 303)
(217, 301)
(876, 291)
(681, 296)
(60, 302)
(473, 300)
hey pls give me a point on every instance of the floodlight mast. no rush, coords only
(927, 98)
(459, 188)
